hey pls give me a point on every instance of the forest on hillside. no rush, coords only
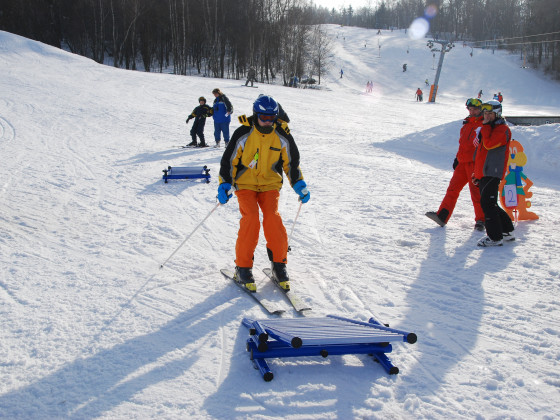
(279, 38)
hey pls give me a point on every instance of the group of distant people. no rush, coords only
(220, 111)
(497, 96)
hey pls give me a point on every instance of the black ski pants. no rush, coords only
(198, 129)
(496, 219)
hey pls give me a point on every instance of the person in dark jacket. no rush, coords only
(491, 156)
(222, 110)
(251, 76)
(199, 114)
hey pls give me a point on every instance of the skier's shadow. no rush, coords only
(446, 305)
(92, 386)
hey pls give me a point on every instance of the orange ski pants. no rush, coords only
(249, 226)
(462, 175)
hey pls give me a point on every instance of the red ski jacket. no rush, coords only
(467, 139)
(491, 155)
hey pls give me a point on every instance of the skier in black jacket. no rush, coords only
(199, 114)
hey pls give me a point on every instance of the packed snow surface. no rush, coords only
(93, 328)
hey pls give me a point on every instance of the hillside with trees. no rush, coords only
(279, 38)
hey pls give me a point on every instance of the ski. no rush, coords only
(298, 303)
(267, 304)
(192, 147)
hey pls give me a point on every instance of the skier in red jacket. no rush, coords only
(463, 168)
(491, 156)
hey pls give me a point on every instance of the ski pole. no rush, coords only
(190, 234)
(294, 225)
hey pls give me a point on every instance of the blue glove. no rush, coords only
(300, 188)
(223, 191)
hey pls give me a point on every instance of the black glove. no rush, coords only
(455, 163)
(188, 119)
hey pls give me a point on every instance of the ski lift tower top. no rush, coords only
(444, 46)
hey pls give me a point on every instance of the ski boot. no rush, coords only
(436, 218)
(192, 144)
(244, 277)
(202, 144)
(486, 242)
(280, 276)
(479, 225)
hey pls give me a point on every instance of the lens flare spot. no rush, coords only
(431, 11)
(418, 28)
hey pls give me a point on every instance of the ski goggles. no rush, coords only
(267, 118)
(489, 108)
(473, 102)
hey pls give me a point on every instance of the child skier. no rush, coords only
(199, 114)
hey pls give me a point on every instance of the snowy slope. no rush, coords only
(92, 328)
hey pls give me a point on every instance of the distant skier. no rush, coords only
(404, 67)
(341, 73)
(427, 82)
(199, 114)
(419, 95)
(480, 94)
(251, 76)
(500, 97)
(222, 116)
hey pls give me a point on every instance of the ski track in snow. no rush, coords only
(93, 328)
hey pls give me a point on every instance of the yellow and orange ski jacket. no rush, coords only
(256, 160)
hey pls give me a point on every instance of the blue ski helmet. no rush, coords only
(265, 105)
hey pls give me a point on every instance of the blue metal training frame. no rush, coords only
(333, 335)
(186, 172)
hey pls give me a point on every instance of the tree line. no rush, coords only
(218, 38)
(279, 38)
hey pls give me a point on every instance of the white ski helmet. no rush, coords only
(493, 106)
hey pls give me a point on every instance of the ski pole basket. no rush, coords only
(333, 335)
(186, 172)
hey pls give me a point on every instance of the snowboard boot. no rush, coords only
(244, 277)
(436, 218)
(486, 242)
(280, 276)
(479, 225)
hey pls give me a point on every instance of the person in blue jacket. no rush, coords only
(222, 116)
